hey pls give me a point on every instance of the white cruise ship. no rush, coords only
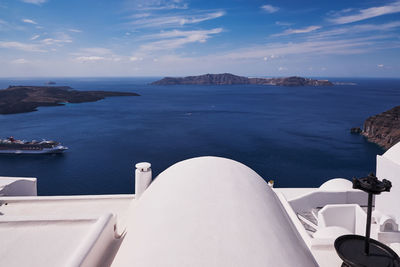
(205, 211)
(14, 146)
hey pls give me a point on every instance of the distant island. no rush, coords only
(384, 128)
(19, 99)
(230, 79)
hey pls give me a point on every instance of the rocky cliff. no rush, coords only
(206, 79)
(227, 79)
(290, 81)
(384, 128)
(19, 99)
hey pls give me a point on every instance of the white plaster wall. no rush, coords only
(338, 215)
(349, 216)
(320, 198)
(388, 202)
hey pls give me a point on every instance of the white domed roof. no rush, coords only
(211, 211)
(337, 184)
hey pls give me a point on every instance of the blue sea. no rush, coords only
(297, 136)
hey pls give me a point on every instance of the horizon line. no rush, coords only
(158, 76)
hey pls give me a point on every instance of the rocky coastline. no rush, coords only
(230, 79)
(384, 128)
(20, 99)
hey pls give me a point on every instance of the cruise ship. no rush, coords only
(13, 146)
(207, 211)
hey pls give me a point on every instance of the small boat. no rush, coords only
(14, 146)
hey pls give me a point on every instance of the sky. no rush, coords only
(126, 38)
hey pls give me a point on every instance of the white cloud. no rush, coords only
(29, 21)
(140, 15)
(166, 7)
(197, 19)
(297, 31)
(156, 4)
(89, 58)
(95, 54)
(35, 37)
(60, 38)
(135, 58)
(282, 69)
(74, 30)
(313, 47)
(380, 65)
(97, 51)
(367, 13)
(22, 46)
(51, 41)
(176, 39)
(269, 8)
(37, 46)
(6, 26)
(174, 21)
(36, 2)
(20, 61)
(347, 10)
(178, 33)
(266, 58)
(283, 23)
(358, 29)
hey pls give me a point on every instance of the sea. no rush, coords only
(296, 136)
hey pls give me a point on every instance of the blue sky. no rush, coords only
(44, 38)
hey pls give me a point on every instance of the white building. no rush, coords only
(204, 211)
